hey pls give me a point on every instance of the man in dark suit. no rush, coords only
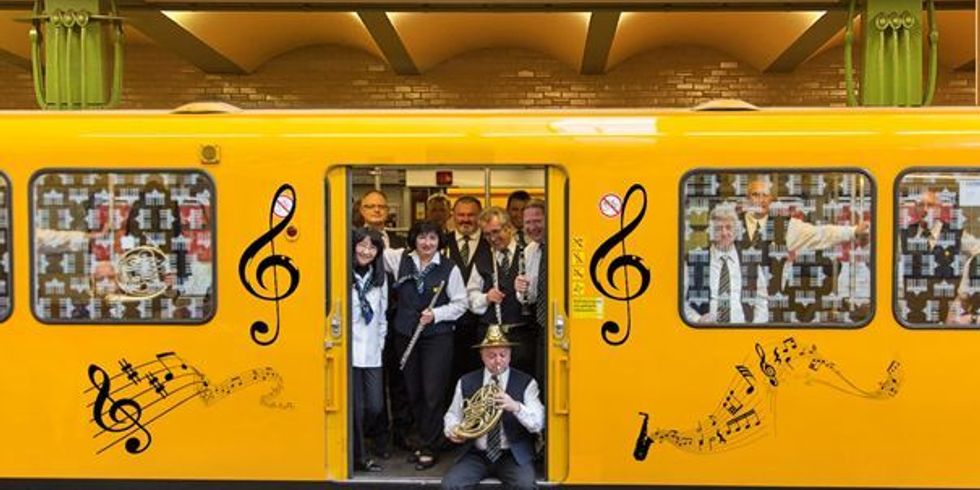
(465, 246)
(506, 451)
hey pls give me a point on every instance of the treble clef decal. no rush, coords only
(283, 206)
(625, 261)
(124, 414)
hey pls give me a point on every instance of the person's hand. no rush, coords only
(454, 436)
(707, 318)
(504, 401)
(495, 296)
(427, 317)
(520, 284)
(862, 228)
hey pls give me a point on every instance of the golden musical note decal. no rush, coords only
(128, 402)
(745, 412)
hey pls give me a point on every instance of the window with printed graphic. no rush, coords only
(5, 265)
(776, 248)
(122, 247)
(937, 240)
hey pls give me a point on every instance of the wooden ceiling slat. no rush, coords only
(812, 39)
(602, 31)
(171, 35)
(15, 59)
(389, 42)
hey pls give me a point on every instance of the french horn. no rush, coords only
(480, 412)
(141, 274)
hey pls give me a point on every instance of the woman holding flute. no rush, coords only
(431, 296)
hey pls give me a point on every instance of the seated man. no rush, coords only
(507, 450)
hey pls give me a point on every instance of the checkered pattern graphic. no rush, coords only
(84, 223)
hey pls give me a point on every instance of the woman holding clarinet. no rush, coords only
(431, 296)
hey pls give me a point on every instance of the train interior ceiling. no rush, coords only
(411, 195)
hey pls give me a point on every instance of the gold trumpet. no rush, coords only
(480, 412)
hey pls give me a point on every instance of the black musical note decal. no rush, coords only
(744, 414)
(625, 261)
(285, 194)
(766, 368)
(128, 402)
(124, 414)
(748, 377)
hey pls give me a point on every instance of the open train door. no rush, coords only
(558, 340)
(334, 340)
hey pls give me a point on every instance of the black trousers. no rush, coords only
(368, 386)
(399, 423)
(474, 466)
(428, 373)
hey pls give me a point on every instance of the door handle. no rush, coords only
(336, 322)
(559, 393)
(330, 390)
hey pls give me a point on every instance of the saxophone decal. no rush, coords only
(745, 411)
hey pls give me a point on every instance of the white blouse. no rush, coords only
(368, 340)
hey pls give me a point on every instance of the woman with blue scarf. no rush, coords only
(369, 300)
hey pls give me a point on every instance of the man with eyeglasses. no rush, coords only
(374, 211)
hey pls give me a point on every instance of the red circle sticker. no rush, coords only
(610, 205)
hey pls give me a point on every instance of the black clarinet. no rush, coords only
(522, 271)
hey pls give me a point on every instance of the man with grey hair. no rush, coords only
(718, 289)
(492, 285)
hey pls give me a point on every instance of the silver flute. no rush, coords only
(419, 328)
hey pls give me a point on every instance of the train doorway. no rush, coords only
(391, 381)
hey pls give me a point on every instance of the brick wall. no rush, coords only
(337, 77)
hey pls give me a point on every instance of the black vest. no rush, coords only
(479, 251)
(510, 308)
(521, 441)
(931, 275)
(411, 304)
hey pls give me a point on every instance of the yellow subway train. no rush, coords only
(777, 297)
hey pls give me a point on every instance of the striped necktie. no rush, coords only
(541, 307)
(724, 293)
(464, 251)
(493, 437)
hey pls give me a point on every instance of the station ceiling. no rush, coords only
(239, 36)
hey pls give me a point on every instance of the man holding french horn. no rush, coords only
(493, 285)
(495, 411)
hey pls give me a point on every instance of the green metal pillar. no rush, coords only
(891, 70)
(76, 53)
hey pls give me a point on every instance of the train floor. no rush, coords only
(398, 467)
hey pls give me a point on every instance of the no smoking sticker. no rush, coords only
(284, 204)
(610, 205)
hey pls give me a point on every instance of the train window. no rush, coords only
(5, 265)
(776, 248)
(122, 247)
(937, 240)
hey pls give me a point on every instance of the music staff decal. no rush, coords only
(281, 213)
(625, 261)
(126, 403)
(745, 412)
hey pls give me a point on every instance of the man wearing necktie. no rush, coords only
(534, 284)
(773, 241)
(466, 247)
(934, 285)
(491, 288)
(507, 450)
(718, 288)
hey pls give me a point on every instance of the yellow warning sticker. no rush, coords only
(588, 307)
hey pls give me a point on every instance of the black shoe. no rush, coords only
(369, 465)
(413, 457)
(425, 461)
